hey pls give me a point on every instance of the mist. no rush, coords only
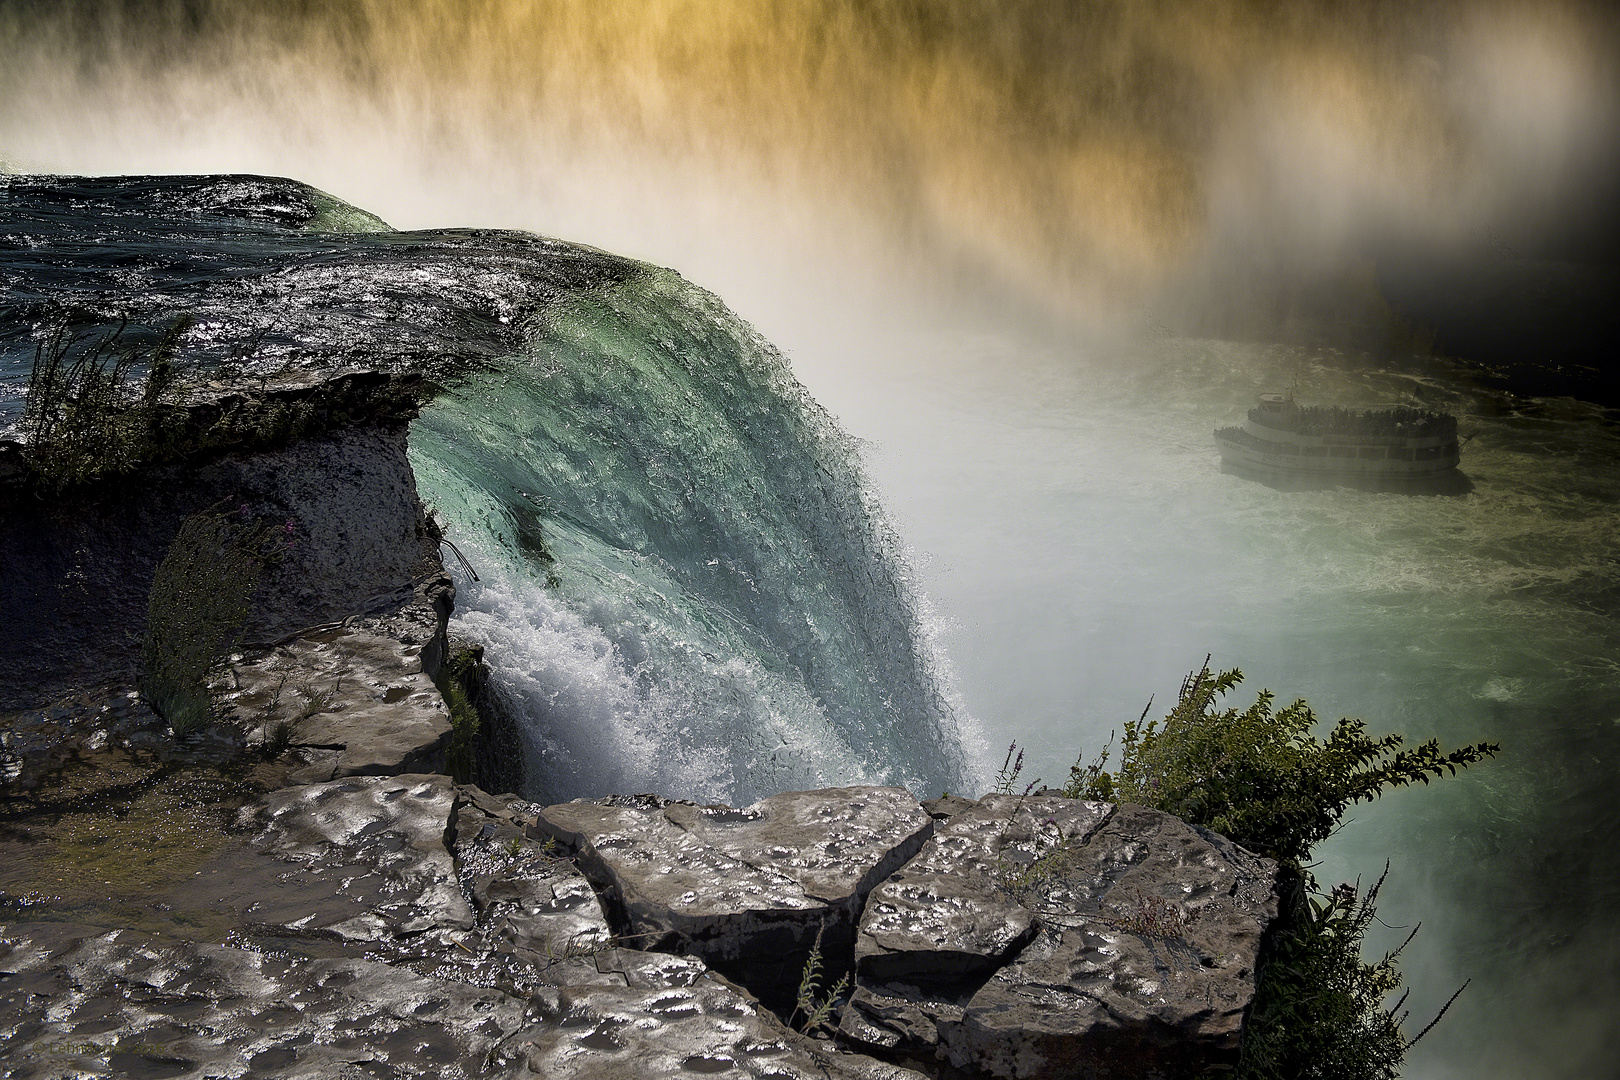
(1226, 167)
(959, 220)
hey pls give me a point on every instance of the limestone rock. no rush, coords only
(356, 703)
(948, 913)
(362, 858)
(526, 895)
(127, 1004)
(1149, 937)
(749, 889)
(947, 806)
(76, 1003)
(80, 566)
(692, 1023)
(1142, 961)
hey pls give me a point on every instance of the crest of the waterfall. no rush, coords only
(685, 582)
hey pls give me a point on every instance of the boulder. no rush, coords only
(749, 890)
(1138, 959)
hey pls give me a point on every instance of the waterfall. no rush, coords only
(684, 581)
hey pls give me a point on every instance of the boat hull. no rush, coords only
(1306, 455)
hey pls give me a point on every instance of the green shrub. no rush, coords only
(1263, 778)
(812, 1007)
(1260, 776)
(84, 417)
(195, 612)
(1318, 1011)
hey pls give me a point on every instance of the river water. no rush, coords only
(1085, 550)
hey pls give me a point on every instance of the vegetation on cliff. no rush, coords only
(1262, 777)
(103, 404)
(458, 679)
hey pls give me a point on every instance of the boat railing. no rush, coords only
(1403, 421)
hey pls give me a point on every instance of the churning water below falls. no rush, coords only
(713, 532)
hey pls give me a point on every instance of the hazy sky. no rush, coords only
(1099, 159)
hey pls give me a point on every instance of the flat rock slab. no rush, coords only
(1140, 959)
(124, 1004)
(356, 703)
(362, 858)
(671, 1022)
(948, 913)
(526, 892)
(748, 889)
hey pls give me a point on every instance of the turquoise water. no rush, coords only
(1083, 545)
(727, 614)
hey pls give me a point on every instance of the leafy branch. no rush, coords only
(1262, 777)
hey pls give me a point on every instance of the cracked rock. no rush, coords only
(947, 913)
(697, 1025)
(526, 895)
(1139, 960)
(748, 890)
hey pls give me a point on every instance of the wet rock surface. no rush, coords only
(411, 926)
(349, 702)
(36, 742)
(1142, 937)
(124, 1004)
(948, 913)
(364, 857)
(389, 926)
(526, 893)
(669, 1022)
(1150, 933)
(749, 890)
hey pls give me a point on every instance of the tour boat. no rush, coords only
(1282, 438)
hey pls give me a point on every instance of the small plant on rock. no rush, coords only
(465, 723)
(1260, 775)
(809, 1002)
(1007, 775)
(1154, 917)
(1318, 1012)
(317, 701)
(85, 417)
